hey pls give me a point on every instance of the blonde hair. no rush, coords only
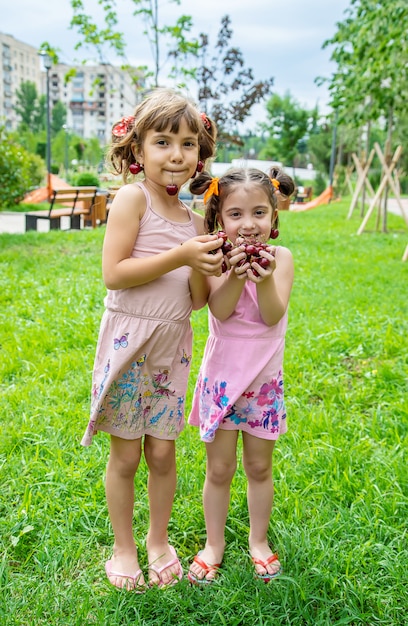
(162, 108)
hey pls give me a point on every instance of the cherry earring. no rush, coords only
(199, 168)
(274, 234)
(135, 168)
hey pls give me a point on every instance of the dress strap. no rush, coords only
(146, 193)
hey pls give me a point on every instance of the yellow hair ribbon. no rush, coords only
(275, 183)
(212, 190)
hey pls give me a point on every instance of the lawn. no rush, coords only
(341, 503)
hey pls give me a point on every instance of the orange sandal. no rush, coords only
(267, 577)
(194, 580)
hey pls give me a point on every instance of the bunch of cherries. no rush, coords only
(252, 248)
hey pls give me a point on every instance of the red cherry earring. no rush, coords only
(135, 168)
(274, 234)
(199, 168)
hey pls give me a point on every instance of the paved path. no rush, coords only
(15, 223)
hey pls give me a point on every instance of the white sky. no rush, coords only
(278, 38)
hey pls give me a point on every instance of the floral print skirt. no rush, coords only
(240, 387)
(140, 377)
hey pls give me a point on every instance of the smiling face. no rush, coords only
(169, 157)
(247, 212)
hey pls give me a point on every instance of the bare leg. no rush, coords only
(122, 465)
(257, 459)
(161, 459)
(221, 466)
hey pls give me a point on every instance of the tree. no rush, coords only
(19, 170)
(227, 90)
(287, 125)
(179, 47)
(371, 53)
(27, 106)
(58, 117)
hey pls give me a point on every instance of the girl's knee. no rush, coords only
(160, 455)
(258, 471)
(220, 472)
(125, 466)
(124, 457)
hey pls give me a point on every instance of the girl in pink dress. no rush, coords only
(144, 346)
(240, 383)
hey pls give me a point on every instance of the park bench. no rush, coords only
(304, 194)
(100, 208)
(76, 202)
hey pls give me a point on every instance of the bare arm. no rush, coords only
(199, 284)
(274, 286)
(121, 271)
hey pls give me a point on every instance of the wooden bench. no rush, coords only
(100, 208)
(304, 194)
(77, 201)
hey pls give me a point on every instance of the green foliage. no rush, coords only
(58, 117)
(341, 483)
(86, 179)
(319, 184)
(28, 107)
(227, 90)
(371, 53)
(179, 46)
(19, 170)
(287, 125)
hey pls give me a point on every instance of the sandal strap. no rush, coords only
(269, 560)
(206, 566)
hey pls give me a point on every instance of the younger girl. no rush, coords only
(240, 384)
(144, 347)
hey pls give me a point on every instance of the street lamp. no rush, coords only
(47, 61)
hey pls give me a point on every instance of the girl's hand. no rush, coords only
(203, 254)
(256, 273)
(237, 262)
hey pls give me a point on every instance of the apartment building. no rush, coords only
(95, 96)
(19, 63)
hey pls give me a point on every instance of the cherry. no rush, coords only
(263, 262)
(226, 247)
(172, 189)
(250, 249)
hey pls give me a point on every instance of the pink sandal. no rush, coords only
(160, 570)
(137, 588)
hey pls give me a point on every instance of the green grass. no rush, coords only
(340, 515)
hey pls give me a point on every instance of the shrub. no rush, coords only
(19, 170)
(320, 183)
(86, 179)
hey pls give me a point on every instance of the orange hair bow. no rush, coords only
(275, 183)
(212, 190)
